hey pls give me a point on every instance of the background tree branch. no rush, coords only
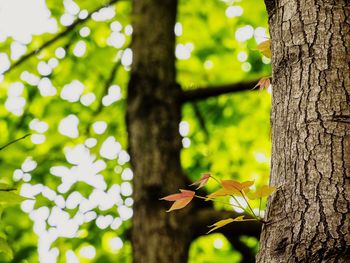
(207, 92)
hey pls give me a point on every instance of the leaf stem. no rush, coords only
(250, 208)
(215, 179)
(214, 200)
(241, 206)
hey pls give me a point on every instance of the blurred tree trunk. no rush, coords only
(309, 215)
(153, 116)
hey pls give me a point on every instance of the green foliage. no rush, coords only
(5, 249)
(213, 248)
(10, 198)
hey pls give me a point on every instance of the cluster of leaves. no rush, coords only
(228, 188)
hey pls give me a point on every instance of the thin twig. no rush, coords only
(107, 85)
(217, 180)
(12, 142)
(246, 200)
(215, 200)
(8, 189)
(200, 119)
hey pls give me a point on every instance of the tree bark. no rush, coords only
(309, 214)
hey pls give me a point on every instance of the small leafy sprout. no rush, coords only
(263, 83)
(228, 188)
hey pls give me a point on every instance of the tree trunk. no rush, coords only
(153, 116)
(309, 215)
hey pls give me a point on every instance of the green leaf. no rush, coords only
(261, 192)
(10, 198)
(5, 248)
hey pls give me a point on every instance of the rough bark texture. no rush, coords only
(309, 215)
(153, 115)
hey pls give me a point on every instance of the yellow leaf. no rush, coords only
(239, 218)
(224, 222)
(261, 192)
(265, 48)
(219, 224)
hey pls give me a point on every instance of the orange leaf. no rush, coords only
(235, 186)
(202, 181)
(181, 200)
(219, 193)
(231, 187)
(265, 48)
(224, 222)
(261, 192)
(263, 83)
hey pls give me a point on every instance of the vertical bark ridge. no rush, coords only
(309, 215)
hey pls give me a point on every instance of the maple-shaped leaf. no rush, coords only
(265, 48)
(202, 181)
(181, 200)
(224, 222)
(261, 192)
(236, 187)
(263, 83)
